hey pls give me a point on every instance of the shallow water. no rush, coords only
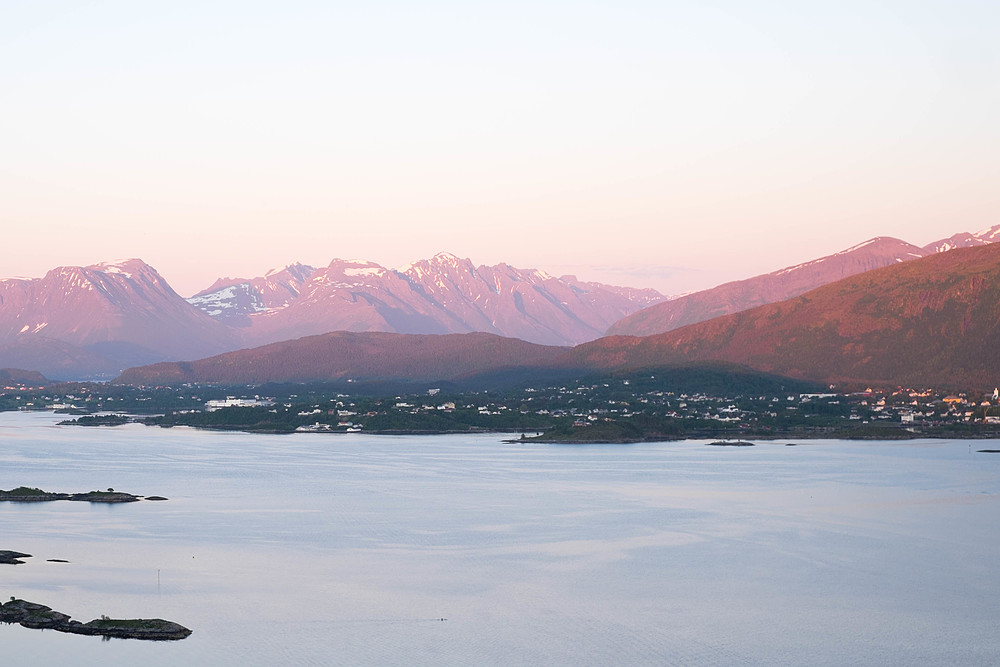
(347, 549)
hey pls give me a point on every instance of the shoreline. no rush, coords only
(816, 433)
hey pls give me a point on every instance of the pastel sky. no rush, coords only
(669, 144)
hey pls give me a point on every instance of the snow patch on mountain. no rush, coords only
(118, 267)
(855, 248)
(233, 300)
(799, 267)
(366, 271)
(990, 234)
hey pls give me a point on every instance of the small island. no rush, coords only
(25, 494)
(582, 432)
(12, 557)
(97, 420)
(40, 617)
(730, 443)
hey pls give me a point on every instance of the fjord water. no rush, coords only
(348, 549)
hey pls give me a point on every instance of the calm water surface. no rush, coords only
(347, 549)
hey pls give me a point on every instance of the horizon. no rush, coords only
(673, 147)
(402, 267)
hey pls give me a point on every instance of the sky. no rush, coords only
(666, 144)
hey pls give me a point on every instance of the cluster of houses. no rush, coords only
(588, 403)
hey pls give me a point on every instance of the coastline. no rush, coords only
(614, 432)
(546, 435)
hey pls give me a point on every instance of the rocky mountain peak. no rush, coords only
(441, 294)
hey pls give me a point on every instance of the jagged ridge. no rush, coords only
(443, 294)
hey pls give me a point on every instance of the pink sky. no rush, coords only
(670, 145)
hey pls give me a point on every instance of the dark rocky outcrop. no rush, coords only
(12, 557)
(38, 616)
(24, 494)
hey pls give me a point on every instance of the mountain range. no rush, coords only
(931, 322)
(94, 321)
(443, 294)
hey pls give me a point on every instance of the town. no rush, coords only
(611, 410)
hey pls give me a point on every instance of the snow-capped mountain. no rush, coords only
(231, 300)
(965, 240)
(786, 283)
(443, 294)
(121, 313)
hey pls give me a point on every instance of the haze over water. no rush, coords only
(318, 549)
